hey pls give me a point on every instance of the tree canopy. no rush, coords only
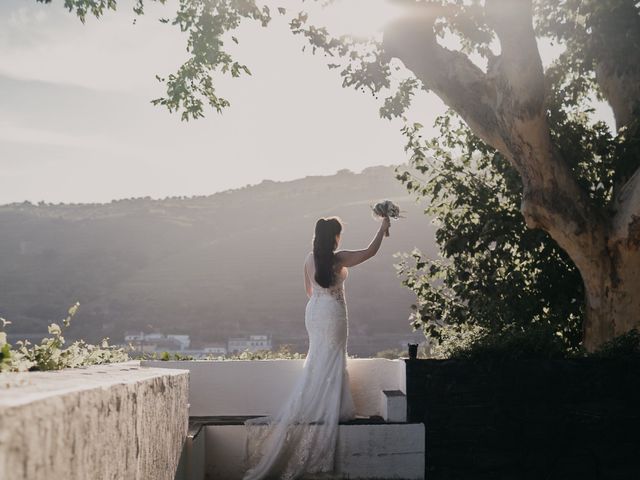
(494, 273)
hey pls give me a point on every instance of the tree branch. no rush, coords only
(622, 91)
(518, 70)
(451, 75)
(552, 198)
(614, 41)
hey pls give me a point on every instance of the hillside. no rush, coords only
(212, 267)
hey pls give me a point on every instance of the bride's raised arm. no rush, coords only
(351, 258)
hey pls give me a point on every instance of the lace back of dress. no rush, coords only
(336, 290)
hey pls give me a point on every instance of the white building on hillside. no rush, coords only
(157, 341)
(215, 349)
(253, 343)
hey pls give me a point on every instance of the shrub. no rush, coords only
(539, 342)
(283, 353)
(625, 345)
(392, 353)
(50, 354)
(454, 339)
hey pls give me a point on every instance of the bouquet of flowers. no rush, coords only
(386, 209)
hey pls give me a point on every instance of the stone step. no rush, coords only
(368, 448)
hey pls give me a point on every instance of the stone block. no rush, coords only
(116, 421)
(393, 405)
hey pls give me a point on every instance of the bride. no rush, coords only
(301, 438)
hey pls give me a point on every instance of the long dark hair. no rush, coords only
(324, 246)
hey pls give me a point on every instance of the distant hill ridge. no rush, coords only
(210, 266)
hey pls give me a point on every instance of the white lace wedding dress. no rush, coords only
(300, 439)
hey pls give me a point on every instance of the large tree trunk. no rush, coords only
(612, 297)
(613, 294)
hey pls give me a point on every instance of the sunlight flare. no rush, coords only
(361, 18)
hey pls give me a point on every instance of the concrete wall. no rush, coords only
(104, 422)
(259, 387)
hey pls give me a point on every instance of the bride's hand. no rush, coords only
(386, 223)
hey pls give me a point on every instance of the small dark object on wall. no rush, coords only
(413, 351)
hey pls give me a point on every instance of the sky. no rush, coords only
(77, 125)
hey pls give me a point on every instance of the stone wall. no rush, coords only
(115, 422)
(565, 419)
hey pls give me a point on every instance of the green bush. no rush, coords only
(625, 345)
(283, 353)
(454, 339)
(535, 342)
(50, 354)
(392, 353)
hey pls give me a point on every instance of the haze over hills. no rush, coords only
(214, 266)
